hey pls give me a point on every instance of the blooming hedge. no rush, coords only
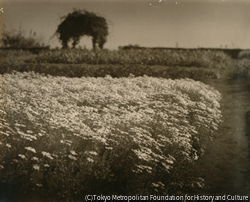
(63, 138)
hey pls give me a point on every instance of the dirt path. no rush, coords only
(226, 164)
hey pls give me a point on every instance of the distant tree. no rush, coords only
(82, 23)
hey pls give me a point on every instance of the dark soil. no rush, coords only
(225, 166)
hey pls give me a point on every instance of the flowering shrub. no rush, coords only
(195, 58)
(63, 138)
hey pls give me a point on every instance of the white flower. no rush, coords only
(22, 156)
(30, 149)
(155, 185)
(48, 155)
(93, 153)
(34, 158)
(72, 157)
(36, 167)
(73, 152)
(90, 160)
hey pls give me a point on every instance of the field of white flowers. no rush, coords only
(63, 138)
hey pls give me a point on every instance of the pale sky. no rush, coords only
(150, 23)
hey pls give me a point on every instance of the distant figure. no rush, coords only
(81, 23)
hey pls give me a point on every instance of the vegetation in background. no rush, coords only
(194, 58)
(120, 63)
(244, 54)
(242, 68)
(16, 38)
(14, 53)
(63, 138)
(82, 23)
(117, 71)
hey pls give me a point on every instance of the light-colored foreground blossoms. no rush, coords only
(106, 126)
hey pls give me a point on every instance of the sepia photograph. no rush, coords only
(124, 100)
